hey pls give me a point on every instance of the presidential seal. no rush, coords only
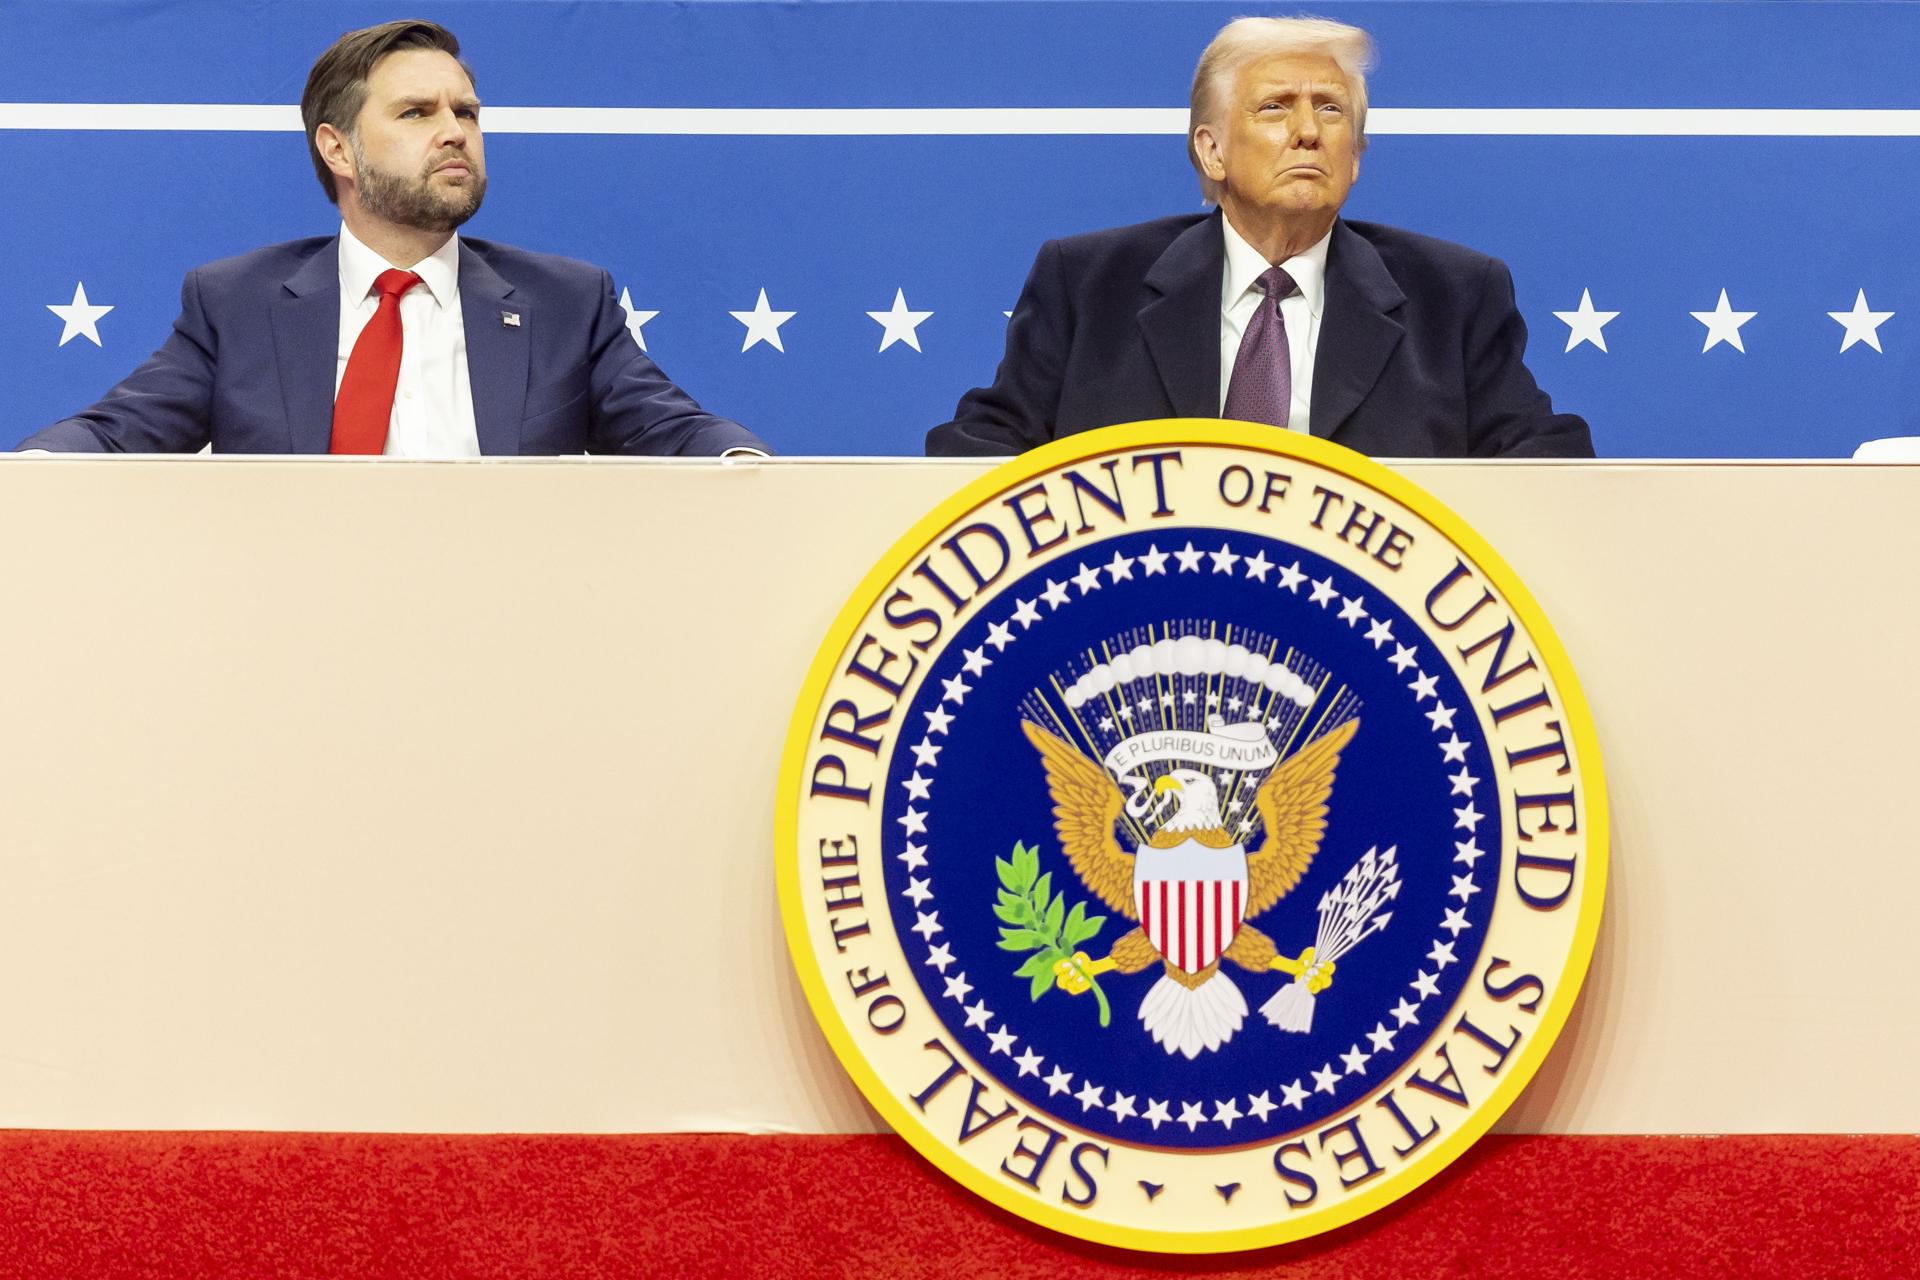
(1191, 836)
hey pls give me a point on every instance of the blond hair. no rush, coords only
(1246, 40)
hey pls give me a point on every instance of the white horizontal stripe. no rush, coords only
(988, 121)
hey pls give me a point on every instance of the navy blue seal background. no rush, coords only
(965, 786)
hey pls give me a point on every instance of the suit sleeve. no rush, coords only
(636, 409)
(1018, 411)
(1508, 415)
(164, 406)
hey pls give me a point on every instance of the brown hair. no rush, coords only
(337, 85)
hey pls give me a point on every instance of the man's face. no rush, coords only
(417, 152)
(1287, 142)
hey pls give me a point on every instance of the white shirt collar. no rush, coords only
(360, 266)
(1245, 266)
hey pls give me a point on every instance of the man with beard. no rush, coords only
(397, 337)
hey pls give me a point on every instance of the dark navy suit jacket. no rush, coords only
(251, 363)
(1420, 351)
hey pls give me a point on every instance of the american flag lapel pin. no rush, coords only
(510, 319)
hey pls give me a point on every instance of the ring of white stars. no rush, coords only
(1344, 1072)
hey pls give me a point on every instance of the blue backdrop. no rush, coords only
(1793, 228)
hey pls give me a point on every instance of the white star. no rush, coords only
(1402, 658)
(1406, 1012)
(1585, 324)
(941, 956)
(1026, 613)
(1122, 1106)
(1355, 1059)
(1223, 559)
(1381, 1038)
(82, 317)
(1188, 698)
(1324, 1078)
(1259, 1107)
(1469, 817)
(1029, 1063)
(1292, 1095)
(1423, 686)
(1463, 782)
(976, 661)
(918, 890)
(1120, 567)
(926, 924)
(958, 988)
(938, 720)
(1352, 609)
(957, 690)
(978, 1015)
(1442, 716)
(1155, 560)
(925, 754)
(1723, 325)
(1425, 983)
(1058, 1081)
(1126, 713)
(1156, 1113)
(1106, 724)
(914, 821)
(1290, 578)
(763, 324)
(1055, 595)
(1469, 852)
(1001, 1040)
(1227, 1112)
(1323, 592)
(1258, 564)
(1192, 1115)
(1088, 579)
(1454, 750)
(1189, 559)
(1442, 953)
(917, 787)
(635, 319)
(1379, 631)
(915, 856)
(1089, 1095)
(1456, 921)
(900, 324)
(1463, 888)
(1861, 324)
(999, 635)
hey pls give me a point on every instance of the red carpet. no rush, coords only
(251, 1204)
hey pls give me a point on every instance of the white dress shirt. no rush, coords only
(1240, 296)
(432, 403)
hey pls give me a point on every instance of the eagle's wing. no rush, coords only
(1293, 806)
(1086, 803)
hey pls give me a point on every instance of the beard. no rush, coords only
(413, 201)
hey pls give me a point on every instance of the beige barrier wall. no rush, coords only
(437, 796)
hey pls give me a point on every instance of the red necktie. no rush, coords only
(364, 404)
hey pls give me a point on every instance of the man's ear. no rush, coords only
(1207, 150)
(334, 150)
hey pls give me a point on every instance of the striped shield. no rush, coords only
(1192, 921)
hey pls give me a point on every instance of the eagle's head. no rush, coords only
(1199, 800)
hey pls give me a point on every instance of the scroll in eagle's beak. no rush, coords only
(1166, 784)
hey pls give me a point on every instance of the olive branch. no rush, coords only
(1036, 919)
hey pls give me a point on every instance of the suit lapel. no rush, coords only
(306, 344)
(497, 328)
(1357, 331)
(1181, 324)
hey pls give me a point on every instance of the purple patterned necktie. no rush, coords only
(1262, 385)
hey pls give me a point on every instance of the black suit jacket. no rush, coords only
(1420, 350)
(251, 363)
